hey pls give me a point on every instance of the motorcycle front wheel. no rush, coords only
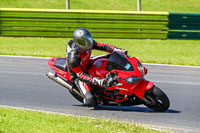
(156, 99)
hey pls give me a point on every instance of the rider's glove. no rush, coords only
(124, 51)
(108, 81)
(99, 82)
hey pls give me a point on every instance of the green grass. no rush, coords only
(147, 5)
(24, 121)
(177, 52)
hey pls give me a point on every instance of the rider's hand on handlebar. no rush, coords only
(109, 80)
(124, 51)
(99, 82)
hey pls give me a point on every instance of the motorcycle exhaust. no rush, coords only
(60, 81)
(64, 83)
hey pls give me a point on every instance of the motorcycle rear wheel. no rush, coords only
(156, 99)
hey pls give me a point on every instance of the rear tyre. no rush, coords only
(156, 99)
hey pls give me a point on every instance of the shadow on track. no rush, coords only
(132, 109)
(128, 109)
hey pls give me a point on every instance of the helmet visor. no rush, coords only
(85, 43)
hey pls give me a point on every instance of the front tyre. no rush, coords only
(156, 99)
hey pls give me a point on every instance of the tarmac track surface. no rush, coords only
(23, 83)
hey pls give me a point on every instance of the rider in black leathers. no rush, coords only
(78, 55)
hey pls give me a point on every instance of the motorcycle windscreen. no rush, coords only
(117, 61)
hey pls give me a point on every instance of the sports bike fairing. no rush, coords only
(58, 65)
(129, 71)
(118, 63)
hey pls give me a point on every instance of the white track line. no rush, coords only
(26, 57)
(166, 65)
(43, 111)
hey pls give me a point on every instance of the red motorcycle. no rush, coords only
(126, 85)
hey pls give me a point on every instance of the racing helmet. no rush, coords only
(83, 39)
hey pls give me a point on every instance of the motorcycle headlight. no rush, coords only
(141, 68)
(132, 80)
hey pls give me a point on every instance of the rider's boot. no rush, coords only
(85, 89)
(89, 99)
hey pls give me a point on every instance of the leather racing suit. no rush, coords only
(77, 63)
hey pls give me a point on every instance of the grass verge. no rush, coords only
(176, 52)
(24, 121)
